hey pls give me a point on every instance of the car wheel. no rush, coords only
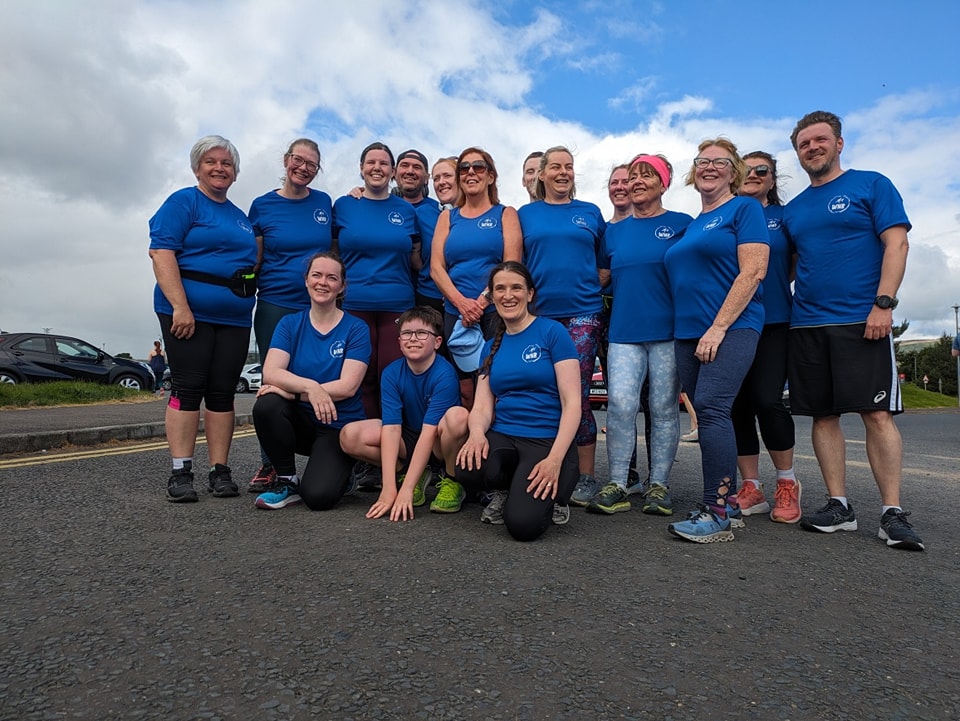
(129, 381)
(167, 384)
(9, 378)
(242, 386)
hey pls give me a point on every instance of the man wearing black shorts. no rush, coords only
(849, 230)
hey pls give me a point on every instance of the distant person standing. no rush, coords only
(849, 229)
(955, 350)
(158, 364)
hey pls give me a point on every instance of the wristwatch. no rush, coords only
(886, 302)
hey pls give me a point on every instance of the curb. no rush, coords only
(46, 440)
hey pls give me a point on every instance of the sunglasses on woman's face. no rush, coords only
(478, 166)
(760, 170)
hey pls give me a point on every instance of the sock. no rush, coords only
(181, 463)
(292, 480)
(884, 509)
(842, 499)
(754, 481)
(787, 475)
(719, 511)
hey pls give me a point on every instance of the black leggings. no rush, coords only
(761, 397)
(205, 366)
(507, 466)
(284, 429)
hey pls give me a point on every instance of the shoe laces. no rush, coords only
(657, 492)
(783, 496)
(898, 518)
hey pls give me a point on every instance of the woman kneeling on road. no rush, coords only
(312, 376)
(531, 377)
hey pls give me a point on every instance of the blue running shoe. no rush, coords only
(703, 526)
(281, 495)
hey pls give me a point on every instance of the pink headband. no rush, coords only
(657, 164)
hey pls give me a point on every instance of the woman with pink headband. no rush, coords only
(633, 251)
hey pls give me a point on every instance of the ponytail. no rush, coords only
(497, 340)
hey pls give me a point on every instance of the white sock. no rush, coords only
(754, 481)
(884, 509)
(292, 480)
(842, 499)
(179, 463)
(787, 475)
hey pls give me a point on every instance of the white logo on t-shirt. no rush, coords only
(838, 204)
(320, 215)
(336, 350)
(532, 353)
(713, 223)
(773, 223)
(579, 220)
(487, 223)
(664, 232)
(244, 226)
(395, 218)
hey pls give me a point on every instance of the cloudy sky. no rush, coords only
(103, 99)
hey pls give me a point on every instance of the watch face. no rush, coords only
(885, 302)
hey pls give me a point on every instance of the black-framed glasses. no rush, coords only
(478, 166)
(296, 161)
(419, 334)
(718, 163)
(760, 170)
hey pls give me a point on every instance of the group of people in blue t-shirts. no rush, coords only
(407, 340)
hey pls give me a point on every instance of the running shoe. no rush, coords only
(180, 486)
(752, 501)
(611, 499)
(419, 496)
(368, 477)
(587, 488)
(657, 501)
(786, 502)
(703, 526)
(832, 517)
(634, 485)
(561, 514)
(220, 482)
(280, 495)
(493, 512)
(897, 531)
(691, 436)
(450, 495)
(263, 479)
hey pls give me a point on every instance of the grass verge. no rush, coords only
(65, 393)
(914, 397)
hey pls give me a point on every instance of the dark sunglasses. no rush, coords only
(760, 170)
(478, 166)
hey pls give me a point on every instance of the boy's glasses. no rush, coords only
(418, 334)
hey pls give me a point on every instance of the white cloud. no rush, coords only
(98, 123)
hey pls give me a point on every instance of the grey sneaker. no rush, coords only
(894, 529)
(493, 512)
(586, 489)
(561, 514)
(657, 501)
(832, 517)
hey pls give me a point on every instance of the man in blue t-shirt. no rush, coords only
(416, 393)
(849, 232)
(955, 350)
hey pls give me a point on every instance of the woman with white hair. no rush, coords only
(203, 252)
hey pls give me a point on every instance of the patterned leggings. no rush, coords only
(585, 332)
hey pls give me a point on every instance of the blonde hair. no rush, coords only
(739, 167)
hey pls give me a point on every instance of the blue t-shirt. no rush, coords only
(956, 342)
(375, 239)
(777, 296)
(524, 381)
(208, 237)
(560, 244)
(633, 250)
(473, 247)
(292, 230)
(320, 356)
(835, 230)
(703, 264)
(413, 400)
(427, 216)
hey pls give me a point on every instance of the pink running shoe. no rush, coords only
(752, 501)
(786, 502)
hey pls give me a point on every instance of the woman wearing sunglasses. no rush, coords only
(760, 401)
(469, 240)
(291, 223)
(715, 270)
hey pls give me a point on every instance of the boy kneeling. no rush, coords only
(416, 392)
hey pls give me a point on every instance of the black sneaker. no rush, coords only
(180, 486)
(220, 482)
(897, 532)
(832, 517)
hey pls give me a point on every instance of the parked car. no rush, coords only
(249, 380)
(37, 357)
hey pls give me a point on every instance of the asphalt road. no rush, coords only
(116, 604)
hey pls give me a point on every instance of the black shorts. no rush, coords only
(408, 438)
(833, 369)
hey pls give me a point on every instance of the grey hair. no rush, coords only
(208, 143)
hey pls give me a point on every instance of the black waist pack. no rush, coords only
(243, 283)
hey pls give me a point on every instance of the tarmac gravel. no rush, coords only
(118, 605)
